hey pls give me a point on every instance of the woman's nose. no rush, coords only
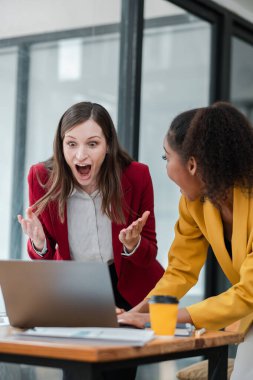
(81, 153)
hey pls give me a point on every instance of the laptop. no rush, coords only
(57, 294)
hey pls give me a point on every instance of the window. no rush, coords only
(8, 78)
(175, 77)
(242, 76)
(62, 73)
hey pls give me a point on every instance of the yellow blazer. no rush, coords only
(198, 226)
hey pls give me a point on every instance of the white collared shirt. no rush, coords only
(89, 229)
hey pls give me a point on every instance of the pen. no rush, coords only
(200, 332)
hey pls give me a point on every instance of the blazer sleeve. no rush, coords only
(36, 191)
(143, 198)
(230, 306)
(186, 256)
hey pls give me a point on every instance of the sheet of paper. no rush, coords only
(4, 320)
(133, 336)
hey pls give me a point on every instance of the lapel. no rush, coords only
(126, 184)
(215, 236)
(117, 245)
(240, 221)
(127, 195)
(61, 231)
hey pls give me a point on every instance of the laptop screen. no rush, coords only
(57, 293)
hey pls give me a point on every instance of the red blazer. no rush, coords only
(137, 274)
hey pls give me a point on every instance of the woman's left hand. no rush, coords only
(130, 236)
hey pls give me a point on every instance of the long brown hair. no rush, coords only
(61, 182)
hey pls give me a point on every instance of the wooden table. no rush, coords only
(87, 360)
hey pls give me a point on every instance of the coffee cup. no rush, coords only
(163, 314)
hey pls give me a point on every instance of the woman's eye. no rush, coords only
(71, 144)
(164, 157)
(92, 144)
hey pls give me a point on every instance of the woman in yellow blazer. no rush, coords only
(209, 154)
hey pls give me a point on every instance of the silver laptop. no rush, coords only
(57, 293)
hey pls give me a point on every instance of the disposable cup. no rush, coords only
(163, 314)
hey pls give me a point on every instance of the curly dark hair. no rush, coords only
(220, 138)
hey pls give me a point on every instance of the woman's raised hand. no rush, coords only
(32, 227)
(130, 236)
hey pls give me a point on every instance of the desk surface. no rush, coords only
(93, 352)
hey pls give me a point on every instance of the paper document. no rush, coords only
(184, 329)
(4, 320)
(134, 337)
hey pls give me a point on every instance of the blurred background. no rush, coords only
(145, 61)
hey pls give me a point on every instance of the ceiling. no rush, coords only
(243, 8)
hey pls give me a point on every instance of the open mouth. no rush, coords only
(83, 170)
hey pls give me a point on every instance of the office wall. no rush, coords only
(25, 17)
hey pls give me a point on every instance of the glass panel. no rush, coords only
(8, 74)
(175, 77)
(63, 73)
(242, 76)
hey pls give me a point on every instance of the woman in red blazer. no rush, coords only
(91, 201)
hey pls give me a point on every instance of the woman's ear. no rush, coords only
(192, 165)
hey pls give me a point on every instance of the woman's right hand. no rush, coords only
(132, 318)
(32, 227)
